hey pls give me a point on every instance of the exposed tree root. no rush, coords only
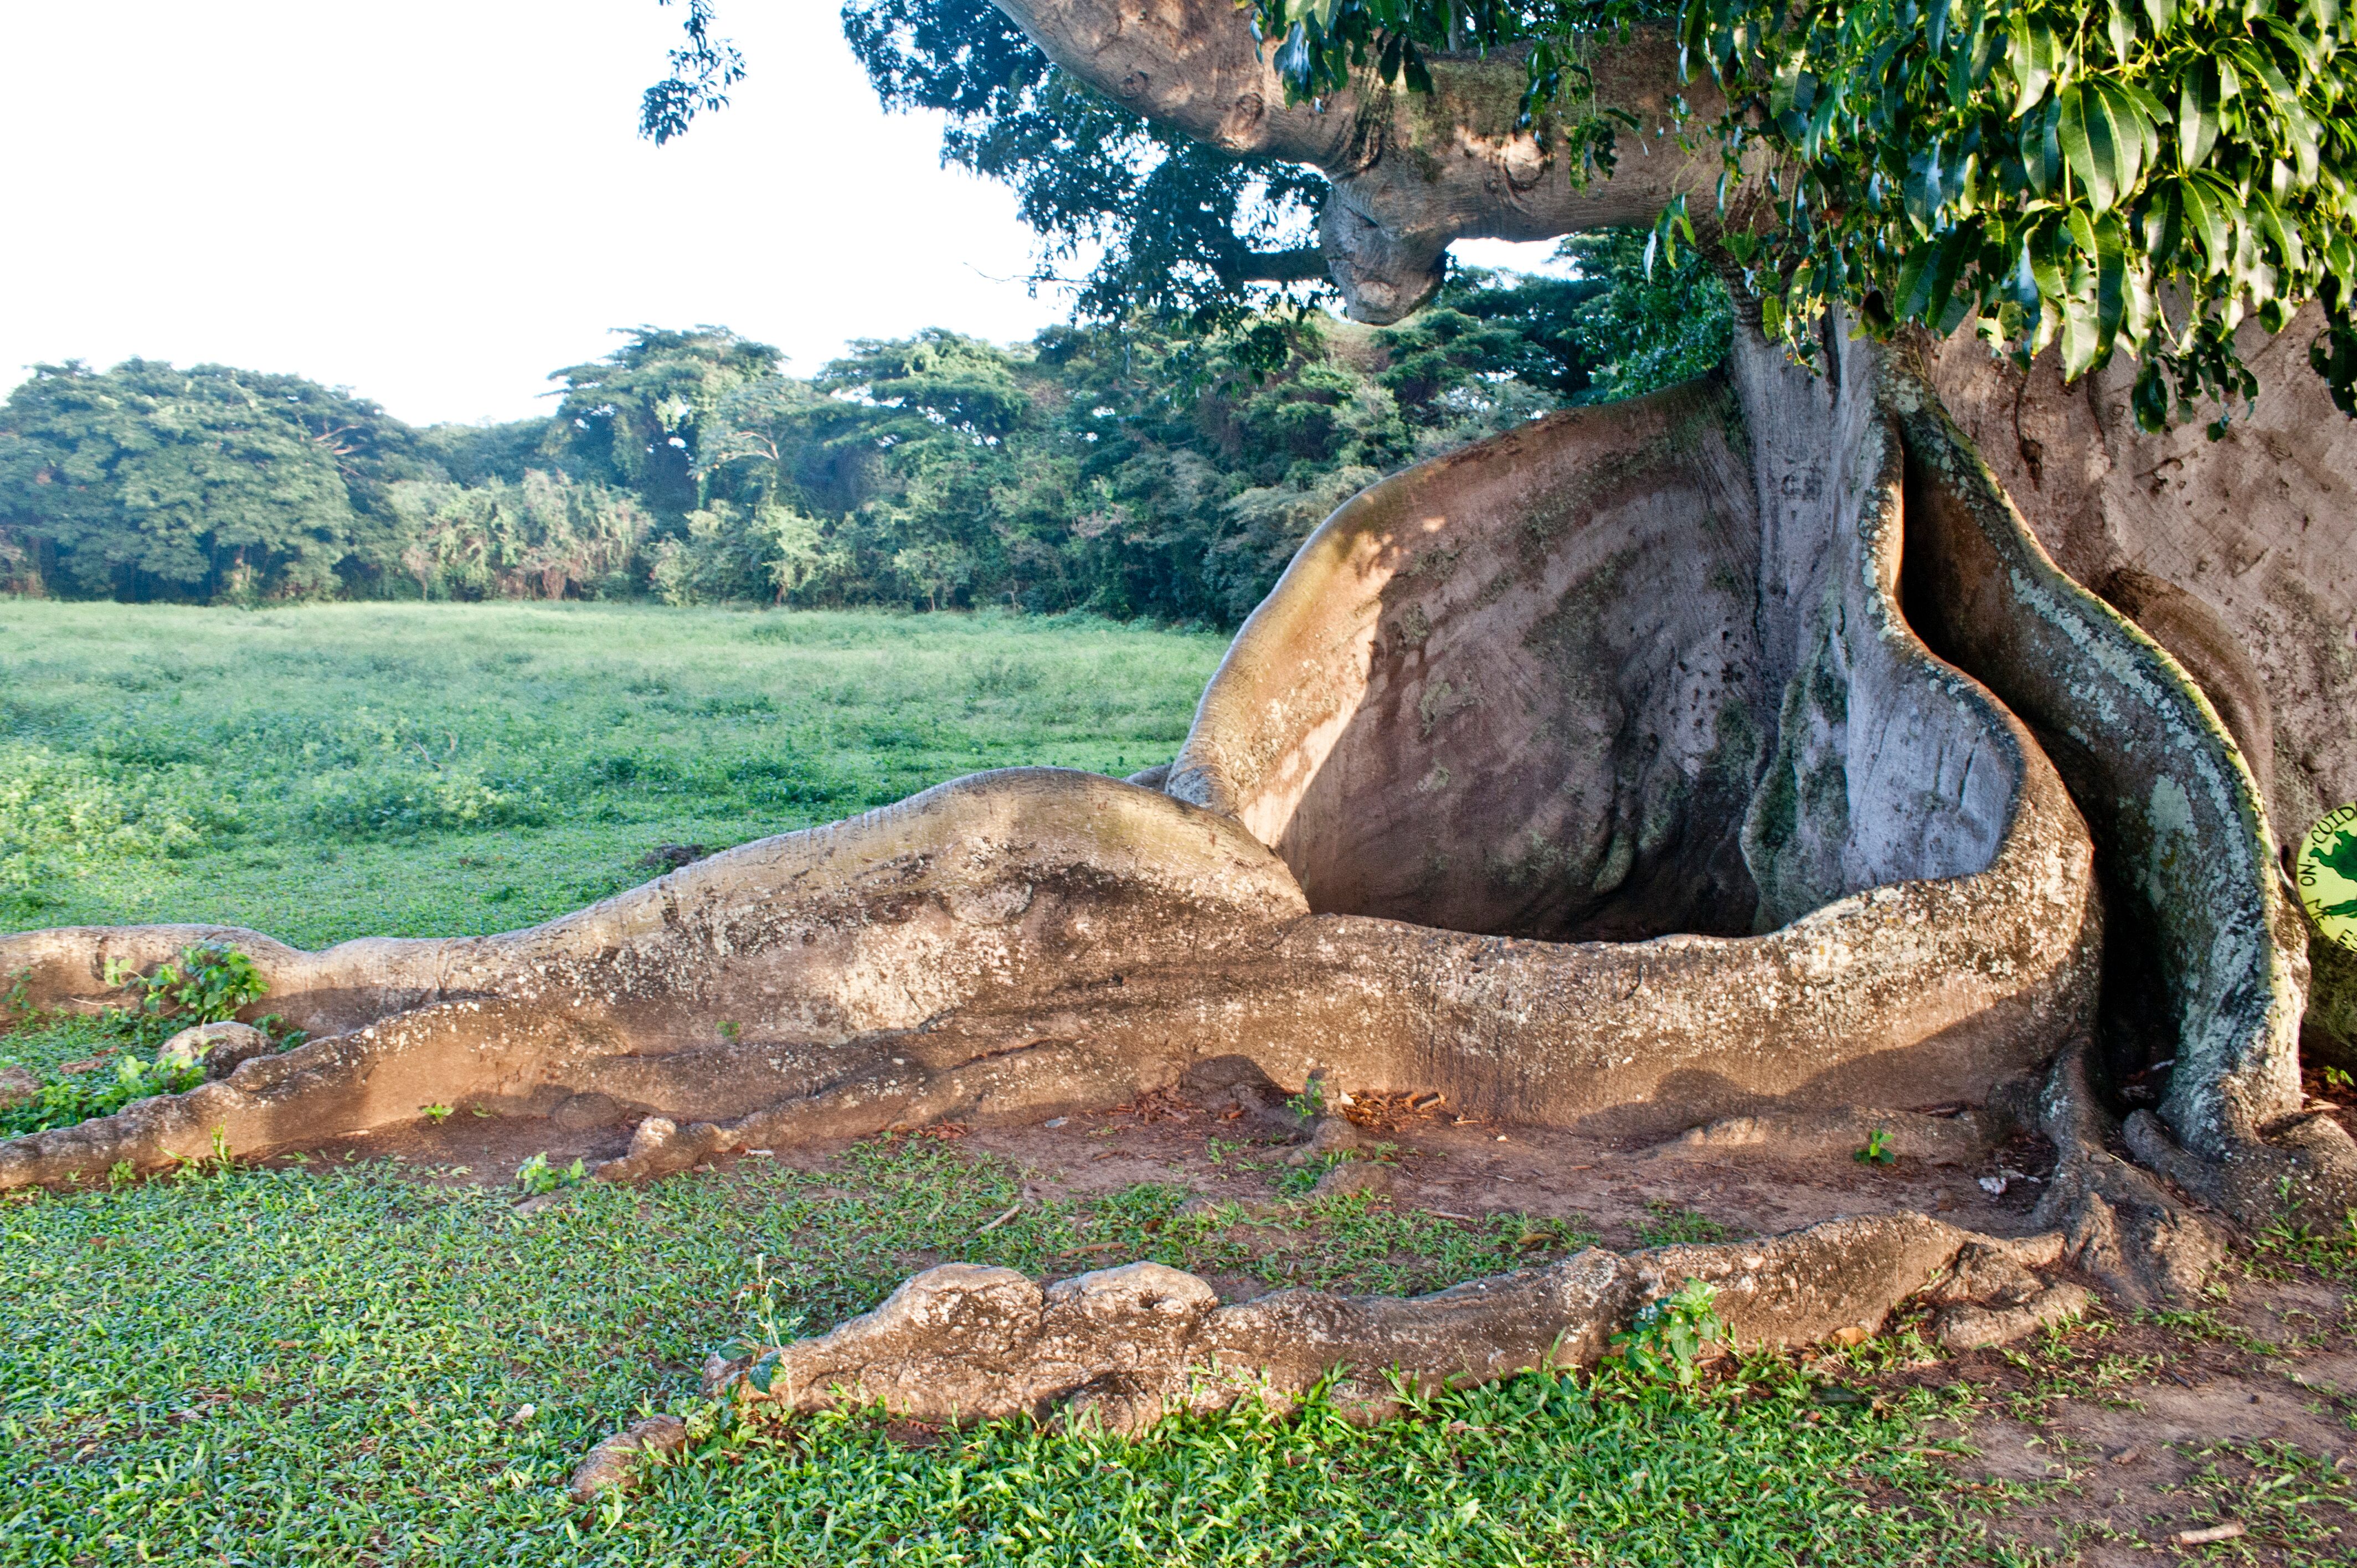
(1127, 1345)
(1017, 943)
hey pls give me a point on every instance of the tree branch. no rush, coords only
(1297, 266)
(1411, 172)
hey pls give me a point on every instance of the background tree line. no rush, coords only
(1142, 468)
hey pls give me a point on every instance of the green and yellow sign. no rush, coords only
(2327, 877)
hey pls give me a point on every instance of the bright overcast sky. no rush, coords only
(438, 203)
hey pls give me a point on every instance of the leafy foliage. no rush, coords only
(703, 69)
(1180, 229)
(63, 1101)
(1155, 467)
(145, 481)
(64, 817)
(2058, 169)
(1666, 1340)
(633, 418)
(208, 984)
(544, 535)
(536, 1176)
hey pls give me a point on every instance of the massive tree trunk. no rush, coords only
(1903, 734)
(2239, 557)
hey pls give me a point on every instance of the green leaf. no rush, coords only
(2034, 55)
(2080, 338)
(1784, 91)
(2111, 252)
(2211, 215)
(2197, 115)
(2270, 221)
(2022, 283)
(2121, 30)
(1970, 65)
(1961, 242)
(2164, 225)
(2041, 149)
(2090, 142)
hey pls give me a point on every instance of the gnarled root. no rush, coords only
(2121, 1228)
(1127, 1346)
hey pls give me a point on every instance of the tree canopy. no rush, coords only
(2136, 175)
(1175, 225)
(145, 481)
(1140, 469)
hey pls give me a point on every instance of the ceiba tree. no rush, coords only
(1905, 713)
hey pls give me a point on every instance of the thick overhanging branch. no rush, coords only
(1411, 171)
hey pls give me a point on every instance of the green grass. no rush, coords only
(340, 770)
(333, 1365)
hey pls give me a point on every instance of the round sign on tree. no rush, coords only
(2327, 875)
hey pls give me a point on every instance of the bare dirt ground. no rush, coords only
(1428, 1158)
(2122, 1438)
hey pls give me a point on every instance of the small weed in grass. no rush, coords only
(2293, 1503)
(96, 1072)
(536, 1176)
(1666, 1341)
(209, 983)
(2287, 1245)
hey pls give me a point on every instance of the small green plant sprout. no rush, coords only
(1310, 1103)
(536, 1176)
(1666, 1340)
(436, 1114)
(730, 1028)
(2335, 1078)
(284, 1038)
(1878, 1150)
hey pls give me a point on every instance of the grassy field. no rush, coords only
(342, 771)
(358, 1363)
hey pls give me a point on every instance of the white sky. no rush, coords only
(438, 203)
